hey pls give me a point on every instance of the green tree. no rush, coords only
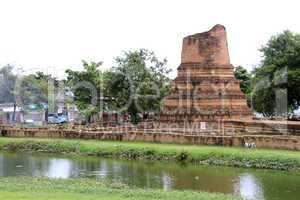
(86, 86)
(279, 76)
(24, 90)
(7, 84)
(137, 84)
(244, 77)
(33, 90)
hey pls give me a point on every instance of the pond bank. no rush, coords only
(56, 189)
(223, 156)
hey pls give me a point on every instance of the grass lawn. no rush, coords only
(214, 155)
(27, 188)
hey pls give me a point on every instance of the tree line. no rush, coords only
(139, 81)
(135, 85)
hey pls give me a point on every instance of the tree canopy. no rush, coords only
(276, 83)
(86, 86)
(138, 83)
(26, 89)
(244, 77)
(7, 84)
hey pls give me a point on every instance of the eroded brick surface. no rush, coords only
(205, 88)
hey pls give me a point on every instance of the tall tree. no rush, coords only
(33, 90)
(24, 90)
(276, 84)
(86, 86)
(7, 84)
(138, 83)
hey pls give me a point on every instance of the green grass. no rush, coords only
(213, 155)
(27, 188)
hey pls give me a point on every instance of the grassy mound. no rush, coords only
(225, 156)
(26, 188)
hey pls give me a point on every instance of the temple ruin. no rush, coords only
(205, 89)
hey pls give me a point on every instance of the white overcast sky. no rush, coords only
(52, 35)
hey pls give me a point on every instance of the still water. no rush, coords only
(249, 184)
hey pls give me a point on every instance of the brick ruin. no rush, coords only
(265, 134)
(205, 89)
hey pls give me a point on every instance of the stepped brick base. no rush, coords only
(205, 89)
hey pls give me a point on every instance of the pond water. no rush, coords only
(247, 183)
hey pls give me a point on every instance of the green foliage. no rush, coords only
(37, 89)
(182, 156)
(7, 84)
(25, 90)
(27, 188)
(263, 100)
(86, 86)
(212, 155)
(138, 83)
(278, 77)
(34, 89)
(244, 77)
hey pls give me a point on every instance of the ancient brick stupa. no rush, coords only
(205, 89)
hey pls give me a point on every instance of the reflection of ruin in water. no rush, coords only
(249, 187)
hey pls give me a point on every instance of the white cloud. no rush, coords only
(60, 33)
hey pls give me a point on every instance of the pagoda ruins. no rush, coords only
(205, 89)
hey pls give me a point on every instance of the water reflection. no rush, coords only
(249, 184)
(249, 187)
(60, 168)
(166, 181)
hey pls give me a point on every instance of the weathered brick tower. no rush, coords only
(205, 89)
